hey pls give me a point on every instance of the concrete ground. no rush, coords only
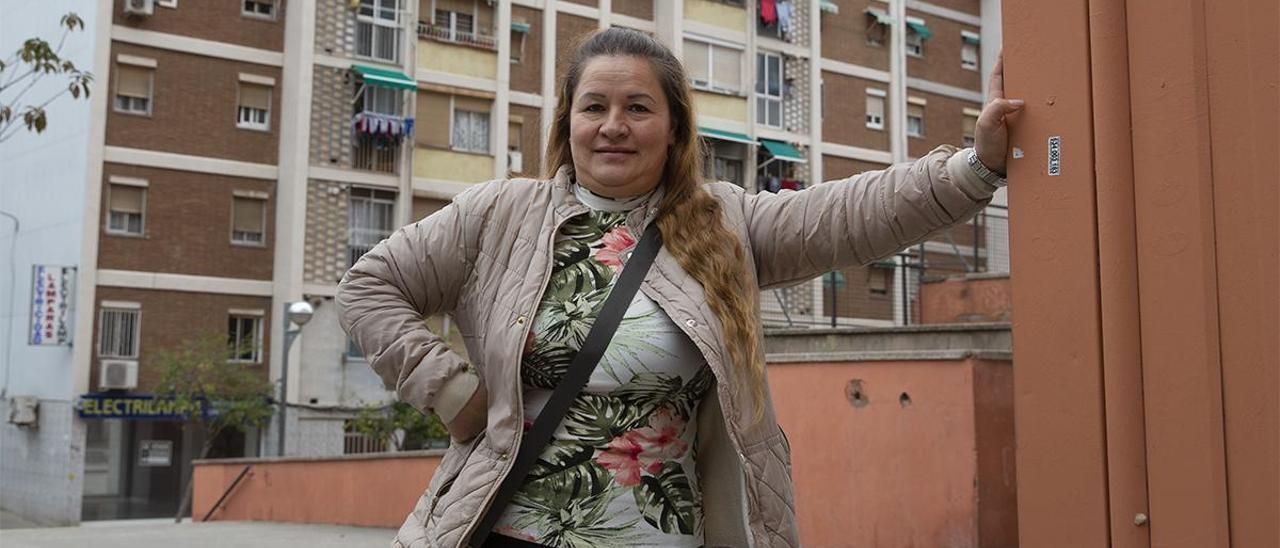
(218, 534)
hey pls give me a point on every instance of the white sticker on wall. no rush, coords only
(1055, 156)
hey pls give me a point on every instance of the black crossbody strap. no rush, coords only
(537, 438)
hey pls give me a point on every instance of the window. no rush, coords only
(125, 206)
(456, 23)
(879, 280)
(253, 110)
(244, 337)
(381, 100)
(877, 27)
(517, 45)
(875, 108)
(118, 332)
(133, 89)
(371, 219)
(915, 120)
(713, 67)
(915, 44)
(769, 89)
(265, 9)
(470, 131)
(970, 130)
(969, 50)
(249, 220)
(378, 30)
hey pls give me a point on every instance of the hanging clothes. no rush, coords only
(784, 11)
(768, 12)
(790, 184)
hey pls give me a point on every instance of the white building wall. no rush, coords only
(43, 184)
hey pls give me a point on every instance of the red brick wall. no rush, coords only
(193, 108)
(530, 139)
(168, 318)
(844, 36)
(941, 61)
(845, 112)
(526, 75)
(569, 31)
(187, 226)
(943, 122)
(210, 20)
(641, 9)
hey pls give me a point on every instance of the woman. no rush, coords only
(673, 442)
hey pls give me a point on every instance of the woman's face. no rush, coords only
(619, 127)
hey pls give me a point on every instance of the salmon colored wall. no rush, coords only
(369, 492)
(962, 299)
(871, 469)
(1149, 373)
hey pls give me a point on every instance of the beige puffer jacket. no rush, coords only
(486, 259)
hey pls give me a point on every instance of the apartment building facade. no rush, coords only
(243, 155)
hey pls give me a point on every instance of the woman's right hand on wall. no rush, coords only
(991, 141)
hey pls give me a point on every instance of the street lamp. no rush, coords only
(297, 312)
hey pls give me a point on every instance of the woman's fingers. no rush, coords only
(992, 140)
(995, 83)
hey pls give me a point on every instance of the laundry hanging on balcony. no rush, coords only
(381, 126)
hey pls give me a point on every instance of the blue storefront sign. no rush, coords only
(138, 407)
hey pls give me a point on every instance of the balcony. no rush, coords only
(445, 34)
(375, 154)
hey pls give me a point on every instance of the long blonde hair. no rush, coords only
(688, 217)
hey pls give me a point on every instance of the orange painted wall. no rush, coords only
(370, 492)
(962, 299)
(873, 468)
(1148, 332)
(934, 470)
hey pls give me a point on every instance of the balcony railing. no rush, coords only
(375, 154)
(355, 251)
(445, 34)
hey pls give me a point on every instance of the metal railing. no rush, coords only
(887, 292)
(376, 154)
(445, 34)
(355, 443)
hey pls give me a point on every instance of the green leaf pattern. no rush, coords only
(620, 470)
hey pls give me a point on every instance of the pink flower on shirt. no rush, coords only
(615, 242)
(644, 449)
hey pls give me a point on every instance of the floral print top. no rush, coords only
(620, 469)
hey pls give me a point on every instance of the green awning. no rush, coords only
(969, 38)
(829, 6)
(880, 16)
(725, 135)
(384, 78)
(920, 29)
(520, 27)
(782, 151)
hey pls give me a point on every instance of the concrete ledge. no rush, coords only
(958, 356)
(958, 339)
(330, 458)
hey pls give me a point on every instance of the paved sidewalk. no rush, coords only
(222, 534)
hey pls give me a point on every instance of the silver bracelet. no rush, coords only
(992, 178)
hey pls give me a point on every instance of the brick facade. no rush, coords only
(216, 21)
(530, 139)
(941, 60)
(845, 114)
(943, 122)
(187, 226)
(844, 36)
(640, 9)
(526, 75)
(166, 325)
(325, 251)
(331, 112)
(193, 108)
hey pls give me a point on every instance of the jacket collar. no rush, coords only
(567, 205)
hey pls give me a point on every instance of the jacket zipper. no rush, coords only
(510, 460)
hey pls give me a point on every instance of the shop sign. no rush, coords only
(137, 407)
(155, 453)
(51, 298)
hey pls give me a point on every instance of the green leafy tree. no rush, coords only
(216, 396)
(383, 423)
(34, 61)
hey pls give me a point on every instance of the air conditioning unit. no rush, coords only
(141, 8)
(515, 161)
(118, 375)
